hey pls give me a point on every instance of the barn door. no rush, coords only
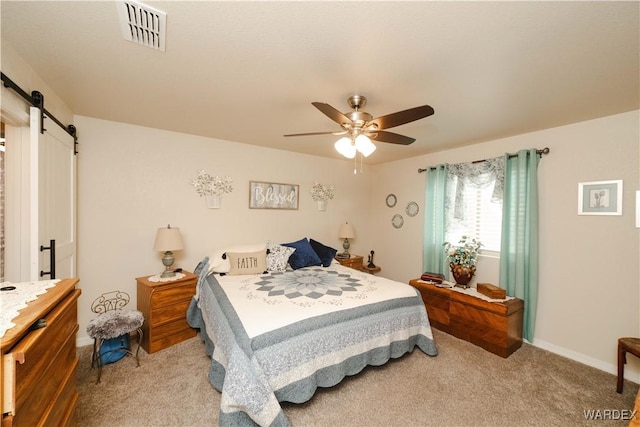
(53, 194)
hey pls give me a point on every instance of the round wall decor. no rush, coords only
(391, 200)
(397, 221)
(412, 209)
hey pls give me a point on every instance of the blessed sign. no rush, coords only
(272, 195)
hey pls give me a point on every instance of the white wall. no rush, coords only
(133, 180)
(589, 293)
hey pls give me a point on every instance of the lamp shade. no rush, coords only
(364, 145)
(345, 147)
(346, 231)
(168, 239)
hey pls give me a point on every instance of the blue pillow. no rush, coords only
(304, 256)
(325, 253)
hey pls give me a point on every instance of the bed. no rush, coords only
(277, 336)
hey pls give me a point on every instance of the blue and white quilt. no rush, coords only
(279, 336)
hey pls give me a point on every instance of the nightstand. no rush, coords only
(354, 261)
(164, 307)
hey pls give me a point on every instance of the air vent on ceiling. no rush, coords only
(142, 24)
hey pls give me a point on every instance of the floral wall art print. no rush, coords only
(600, 198)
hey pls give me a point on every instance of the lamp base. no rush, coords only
(168, 273)
(343, 255)
(346, 245)
(167, 261)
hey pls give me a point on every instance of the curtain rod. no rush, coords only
(545, 150)
(36, 99)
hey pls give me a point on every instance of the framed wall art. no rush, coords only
(600, 198)
(273, 195)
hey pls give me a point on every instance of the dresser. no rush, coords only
(494, 326)
(38, 366)
(164, 307)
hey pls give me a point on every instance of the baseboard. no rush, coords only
(629, 374)
(83, 341)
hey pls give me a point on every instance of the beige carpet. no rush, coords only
(463, 386)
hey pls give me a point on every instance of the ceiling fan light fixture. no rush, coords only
(345, 147)
(364, 145)
(360, 126)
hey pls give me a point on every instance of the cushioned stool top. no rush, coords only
(114, 323)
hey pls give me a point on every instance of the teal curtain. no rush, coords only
(519, 246)
(433, 259)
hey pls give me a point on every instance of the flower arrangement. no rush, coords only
(465, 253)
(207, 185)
(321, 192)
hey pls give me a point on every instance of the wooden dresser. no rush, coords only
(38, 369)
(494, 326)
(164, 307)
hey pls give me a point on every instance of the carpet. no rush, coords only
(463, 386)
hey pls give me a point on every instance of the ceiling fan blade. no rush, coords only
(394, 138)
(402, 117)
(332, 113)
(317, 133)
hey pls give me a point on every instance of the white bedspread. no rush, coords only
(278, 337)
(271, 301)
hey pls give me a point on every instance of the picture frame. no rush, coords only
(600, 198)
(273, 195)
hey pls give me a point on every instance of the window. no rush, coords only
(474, 203)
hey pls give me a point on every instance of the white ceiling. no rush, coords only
(248, 71)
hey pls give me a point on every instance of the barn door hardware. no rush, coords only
(36, 99)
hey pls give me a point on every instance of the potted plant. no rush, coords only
(462, 259)
(212, 187)
(321, 194)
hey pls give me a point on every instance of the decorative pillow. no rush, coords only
(247, 262)
(304, 256)
(219, 262)
(325, 253)
(278, 256)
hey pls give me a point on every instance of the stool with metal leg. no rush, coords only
(112, 323)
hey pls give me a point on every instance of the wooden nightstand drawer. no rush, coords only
(169, 334)
(169, 313)
(172, 294)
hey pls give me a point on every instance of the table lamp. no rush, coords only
(346, 233)
(168, 240)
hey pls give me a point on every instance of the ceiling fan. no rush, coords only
(359, 127)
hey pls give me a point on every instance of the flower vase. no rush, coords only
(213, 202)
(322, 205)
(462, 275)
